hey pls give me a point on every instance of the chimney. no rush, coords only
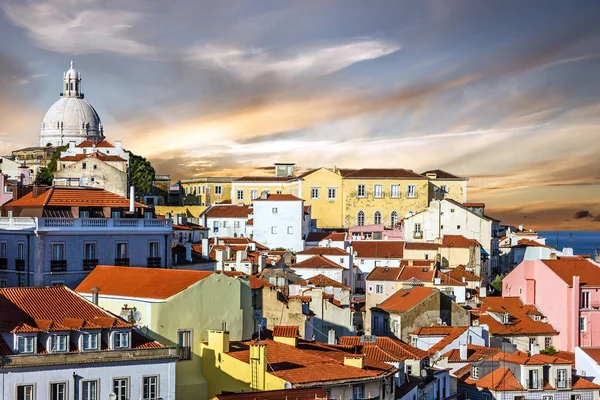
(553, 256)
(95, 290)
(463, 352)
(37, 190)
(118, 144)
(262, 262)
(252, 246)
(437, 281)
(355, 360)
(72, 144)
(205, 248)
(534, 350)
(188, 251)
(228, 254)
(218, 341)
(239, 256)
(131, 199)
(258, 365)
(331, 337)
(520, 227)
(567, 251)
(127, 314)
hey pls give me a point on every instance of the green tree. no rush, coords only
(44, 176)
(141, 173)
(52, 164)
(549, 351)
(497, 284)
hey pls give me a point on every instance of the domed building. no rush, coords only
(71, 118)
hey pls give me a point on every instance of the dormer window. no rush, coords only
(25, 344)
(121, 340)
(89, 341)
(505, 318)
(475, 372)
(58, 343)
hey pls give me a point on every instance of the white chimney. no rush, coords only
(567, 251)
(131, 199)
(118, 144)
(72, 144)
(239, 256)
(262, 262)
(483, 291)
(188, 251)
(205, 248)
(520, 227)
(331, 337)
(463, 352)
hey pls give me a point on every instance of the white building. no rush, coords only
(15, 171)
(57, 235)
(57, 346)
(448, 217)
(227, 220)
(281, 221)
(337, 257)
(71, 118)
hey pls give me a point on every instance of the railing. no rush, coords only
(89, 265)
(533, 384)
(58, 265)
(3, 263)
(562, 384)
(184, 353)
(20, 265)
(154, 262)
(77, 223)
(17, 223)
(417, 235)
(122, 262)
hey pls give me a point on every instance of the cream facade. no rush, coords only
(93, 172)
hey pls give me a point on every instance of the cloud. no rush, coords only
(312, 61)
(582, 214)
(79, 27)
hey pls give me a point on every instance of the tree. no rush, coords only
(549, 351)
(44, 177)
(52, 164)
(497, 284)
(141, 173)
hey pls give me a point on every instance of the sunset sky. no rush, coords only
(506, 93)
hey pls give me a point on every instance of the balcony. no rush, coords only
(184, 353)
(58, 265)
(90, 264)
(562, 384)
(154, 262)
(122, 262)
(417, 235)
(534, 384)
(3, 263)
(19, 265)
(18, 223)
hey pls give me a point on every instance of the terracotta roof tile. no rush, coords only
(582, 383)
(521, 322)
(459, 241)
(381, 173)
(324, 281)
(384, 274)
(316, 236)
(500, 379)
(461, 272)
(70, 196)
(395, 347)
(416, 263)
(474, 353)
(336, 236)
(325, 251)
(286, 394)
(441, 174)
(421, 274)
(151, 283)
(279, 197)
(317, 262)
(447, 280)
(568, 267)
(387, 249)
(530, 243)
(229, 211)
(92, 143)
(97, 154)
(286, 331)
(406, 299)
(255, 283)
(421, 246)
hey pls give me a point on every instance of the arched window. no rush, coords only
(393, 219)
(360, 218)
(377, 218)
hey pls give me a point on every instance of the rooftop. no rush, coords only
(474, 353)
(405, 299)
(92, 143)
(286, 331)
(278, 197)
(441, 174)
(317, 262)
(378, 249)
(568, 267)
(381, 173)
(324, 281)
(394, 346)
(286, 394)
(421, 246)
(325, 251)
(96, 154)
(461, 272)
(229, 211)
(459, 241)
(62, 196)
(521, 321)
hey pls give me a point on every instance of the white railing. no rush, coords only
(86, 223)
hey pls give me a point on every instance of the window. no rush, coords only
(121, 388)
(274, 210)
(444, 189)
(561, 378)
(121, 250)
(25, 344)
(148, 215)
(58, 251)
(240, 194)
(532, 341)
(121, 340)
(331, 193)
(274, 230)
(115, 214)
(153, 250)
(3, 250)
(236, 224)
(411, 191)
(409, 369)
(3, 283)
(547, 397)
(395, 191)
(585, 299)
(218, 189)
(417, 228)
(466, 395)
(547, 342)
(150, 388)
(20, 251)
(358, 392)
(290, 230)
(377, 191)
(533, 379)
(184, 344)
(90, 251)
(89, 390)
(84, 166)
(314, 192)
(582, 324)
(475, 372)
(25, 392)
(58, 343)
(360, 218)
(379, 289)
(84, 214)
(58, 391)
(253, 194)
(377, 218)
(361, 191)
(90, 341)
(95, 167)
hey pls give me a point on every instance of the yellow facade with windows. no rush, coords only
(206, 190)
(244, 191)
(323, 191)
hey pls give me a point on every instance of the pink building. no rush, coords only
(567, 291)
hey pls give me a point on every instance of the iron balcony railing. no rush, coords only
(122, 262)
(154, 262)
(90, 264)
(19, 265)
(58, 265)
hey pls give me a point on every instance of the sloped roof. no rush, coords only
(326, 251)
(461, 272)
(441, 174)
(324, 281)
(568, 267)
(459, 241)
(148, 283)
(388, 249)
(317, 262)
(229, 211)
(501, 380)
(286, 331)
(97, 154)
(422, 274)
(384, 274)
(285, 394)
(394, 346)
(450, 333)
(382, 173)
(405, 299)
(521, 322)
(316, 236)
(421, 246)
(474, 353)
(336, 236)
(91, 143)
(64, 196)
(279, 197)
(447, 280)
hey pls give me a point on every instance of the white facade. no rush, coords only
(586, 365)
(227, 227)
(107, 149)
(337, 274)
(280, 223)
(477, 335)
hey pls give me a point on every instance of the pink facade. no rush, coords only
(561, 302)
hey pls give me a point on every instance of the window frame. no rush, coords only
(315, 192)
(274, 230)
(85, 250)
(360, 218)
(190, 342)
(582, 320)
(123, 396)
(239, 194)
(395, 191)
(331, 193)
(378, 288)
(54, 340)
(290, 230)
(85, 335)
(54, 245)
(361, 190)
(117, 253)
(377, 218)
(20, 251)
(153, 244)
(274, 210)
(65, 385)
(585, 299)
(25, 340)
(253, 194)
(96, 395)
(411, 191)
(378, 191)
(156, 388)
(218, 190)
(31, 396)
(120, 335)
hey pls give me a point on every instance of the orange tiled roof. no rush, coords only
(91, 143)
(396, 347)
(229, 211)
(255, 283)
(478, 205)
(421, 246)
(521, 322)
(416, 263)
(312, 362)
(500, 379)
(285, 394)
(474, 353)
(422, 274)
(450, 333)
(59, 196)
(378, 249)
(383, 173)
(531, 243)
(441, 174)
(97, 154)
(279, 197)
(150, 283)
(317, 262)
(324, 281)
(286, 331)
(459, 241)
(316, 236)
(406, 299)
(325, 251)
(447, 280)
(461, 272)
(568, 267)
(593, 352)
(384, 274)
(582, 383)
(336, 236)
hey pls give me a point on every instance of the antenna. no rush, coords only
(137, 316)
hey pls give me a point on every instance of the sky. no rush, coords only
(506, 93)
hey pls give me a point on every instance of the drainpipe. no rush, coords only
(28, 259)
(576, 312)
(74, 386)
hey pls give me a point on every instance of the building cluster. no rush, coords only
(326, 284)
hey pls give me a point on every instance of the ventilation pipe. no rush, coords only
(131, 199)
(95, 290)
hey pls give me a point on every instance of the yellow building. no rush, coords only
(206, 190)
(178, 308)
(452, 186)
(322, 189)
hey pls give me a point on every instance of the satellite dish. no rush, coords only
(468, 295)
(476, 322)
(439, 321)
(112, 396)
(423, 373)
(287, 385)
(137, 316)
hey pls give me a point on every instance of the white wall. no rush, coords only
(334, 273)
(226, 227)
(288, 222)
(587, 365)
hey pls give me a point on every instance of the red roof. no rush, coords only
(387, 249)
(149, 283)
(568, 267)
(312, 362)
(279, 197)
(286, 394)
(441, 174)
(405, 299)
(97, 154)
(62, 196)
(317, 262)
(461, 272)
(381, 173)
(324, 281)
(530, 243)
(384, 274)
(459, 241)
(421, 246)
(474, 353)
(286, 331)
(229, 211)
(422, 274)
(450, 333)
(396, 347)
(447, 280)
(474, 205)
(336, 236)
(255, 283)
(593, 352)
(92, 143)
(316, 236)
(521, 321)
(326, 251)
(501, 380)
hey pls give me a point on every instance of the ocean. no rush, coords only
(582, 242)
